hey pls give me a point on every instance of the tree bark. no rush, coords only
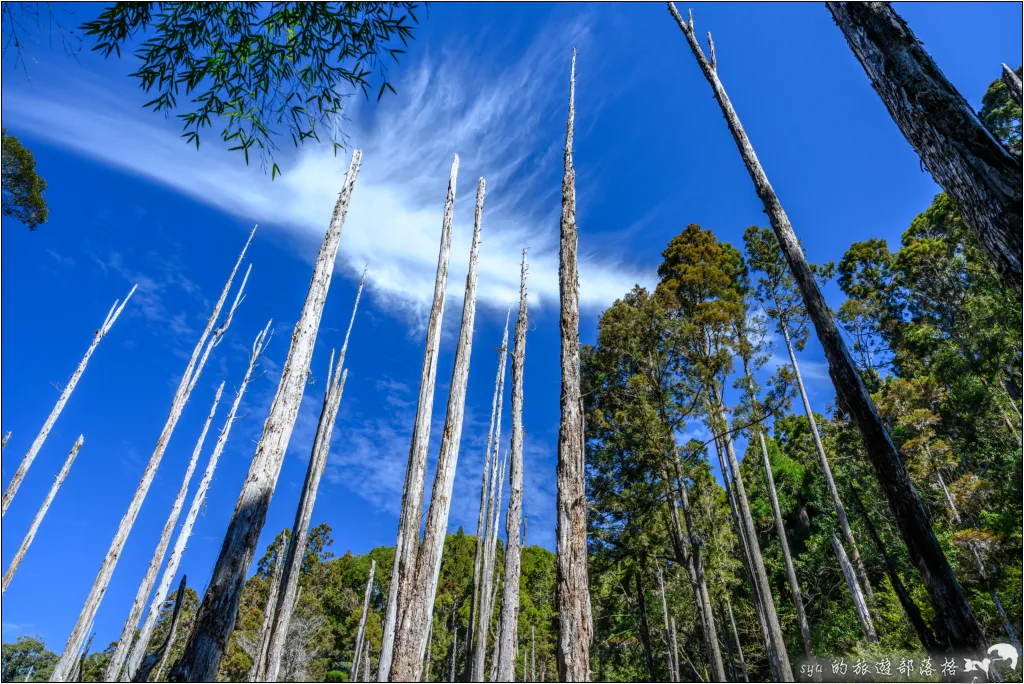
(258, 671)
(455, 650)
(406, 543)
(117, 659)
(958, 150)
(36, 521)
(366, 664)
(573, 591)
(215, 619)
(209, 339)
(736, 638)
(675, 651)
(426, 661)
(957, 620)
(362, 626)
(863, 615)
(673, 675)
(416, 598)
(172, 633)
(533, 655)
(513, 518)
(161, 654)
(1013, 83)
(37, 443)
(142, 642)
(642, 625)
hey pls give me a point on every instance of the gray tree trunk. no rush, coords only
(958, 150)
(573, 591)
(736, 638)
(215, 619)
(455, 650)
(959, 626)
(36, 521)
(209, 339)
(142, 642)
(426, 661)
(533, 655)
(366, 664)
(162, 653)
(44, 432)
(411, 516)
(489, 593)
(258, 670)
(3, 445)
(416, 601)
(172, 634)
(1013, 83)
(675, 651)
(673, 675)
(863, 615)
(362, 623)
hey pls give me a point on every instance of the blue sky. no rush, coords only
(131, 203)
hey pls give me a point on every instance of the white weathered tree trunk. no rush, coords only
(209, 339)
(215, 619)
(362, 622)
(863, 615)
(3, 445)
(672, 673)
(416, 604)
(142, 642)
(117, 659)
(1013, 83)
(166, 657)
(573, 591)
(455, 650)
(675, 652)
(36, 521)
(163, 651)
(258, 670)
(954, 145)
(494, 581)
(957, 623)
(513, 519)
(37, 443)
(736, 638)
(533, 655)
(409, 521)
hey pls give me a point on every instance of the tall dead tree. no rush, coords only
(287, 600)
(1013, 84)
(483, 520)
(455, 651)
(573, 590)
(215, 619)
(416, 599)
(863, 615)
(411, 516)
(161, 654)
(44, 432)
(36, 521)
(492, 569)
(513, 518)
(959, 626)
(142, 642)
(258, 669)
(958, 150)
(736, 638)
(673, 673)
(209, 339)
(117, 659)
(362, 623)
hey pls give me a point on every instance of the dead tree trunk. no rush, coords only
(416, 601)
(492, 589)
(142, 642)
(673, 675)
(863, 615)
(161, 654)
(37, 443)
(366, 664)
(533, 656)
(209, 339)
(426, 661)
(573, 591)
(3, 443)
(955, 146)
(117, 659)
(258, 670)
(1013, 83)
(675, 651)
(736, 638)
(958, 623)
(362, 623)
(455, 650)
(172, 633)
(514, 515)
(411, 516)
(216, 616)
(36, 521)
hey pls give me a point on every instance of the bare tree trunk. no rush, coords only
(736, 637)
(117, 659)
(44, 432)
(497, 637)
(161, 654)
(675, 651)
(533, 655)
(1013, 83)
(955, 146)
(415, 473)
(957, 620)
(258, 670)
(858, 598)
(366, 664)
(455, 650)
(166, 657)
(142, 643)
(513, 518)
(416, 598)
(362, 623)
(31, 534)
(573, 591)
(489, 593)
(672, 672)
(215, 619)
(3, 445)
(209, 339)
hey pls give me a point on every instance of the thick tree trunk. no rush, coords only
(1013, 83)
(863, 615)
(142, 642)
(736, 638)
(36, 521)
(513, 518)
(362, 627)
(573, 591)
(258, 671)
(416, 599)
(37, 443)
(216, 617)
(643, 625)
(673, 675)
(957, 620)
(410, 519)
(958, 150)
(160, 655)
(426, 661)
(209, 339)
(117, 659)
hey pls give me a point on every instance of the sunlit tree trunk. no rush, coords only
(258, 671)
(36, 521)
(362, 626)
(863, 615)
(161, 654)
(1013, 83)
(37, 443)
(215, 619)
(407, 541)
(489, 595)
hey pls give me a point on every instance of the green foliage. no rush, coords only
(1001, 113)
(22, 186)
(25, 655)
(259, 69)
